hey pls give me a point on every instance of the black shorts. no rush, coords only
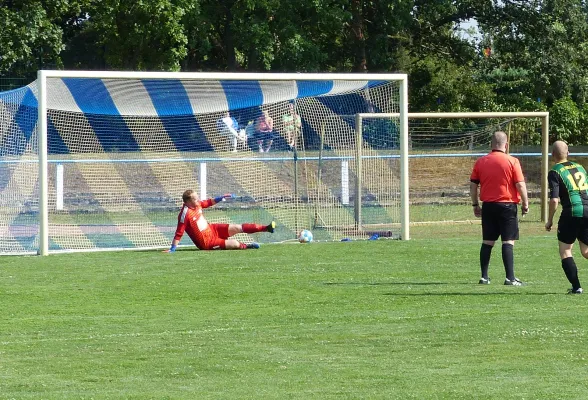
(571, 228)
(500, 220)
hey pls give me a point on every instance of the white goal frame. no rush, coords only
(542, 115)
(42, 125)
(404, 184)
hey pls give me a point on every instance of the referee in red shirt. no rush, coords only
(502, 187)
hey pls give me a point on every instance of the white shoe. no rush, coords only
(515, 282)
(577, 291)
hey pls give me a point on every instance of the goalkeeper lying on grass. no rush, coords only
(211, 236)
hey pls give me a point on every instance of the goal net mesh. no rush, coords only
(443, 153)
(122, 151)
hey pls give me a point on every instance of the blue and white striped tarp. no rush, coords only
(104, 105)
(151, 97)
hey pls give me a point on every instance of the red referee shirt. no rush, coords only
(497, 173)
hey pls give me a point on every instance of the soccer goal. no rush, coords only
(99, 160)
(444, 146)
(372, 147)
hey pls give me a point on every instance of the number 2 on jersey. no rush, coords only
(578, 181)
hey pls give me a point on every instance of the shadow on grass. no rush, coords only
(506, 291)
(392, 283)
(405, 294)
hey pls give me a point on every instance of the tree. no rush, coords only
(140, 35)
(29, 40)
(564, 121)
(313, 36)
(439, 84)
(540, 43)
(211, 36)
(357, 29)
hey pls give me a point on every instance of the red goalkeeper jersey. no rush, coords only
(192, 221)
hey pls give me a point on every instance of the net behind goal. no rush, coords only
(117, 150)
(444, 148)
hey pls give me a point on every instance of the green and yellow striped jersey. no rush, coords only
(568, 181)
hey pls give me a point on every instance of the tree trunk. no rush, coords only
(357, 29)
(229, 40)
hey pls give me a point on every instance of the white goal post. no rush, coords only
(458, 139)
(282, 184)
(404, 177)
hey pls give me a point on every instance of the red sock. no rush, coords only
(253, 228)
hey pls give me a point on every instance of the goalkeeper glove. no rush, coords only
(218, 199)
(172, 248)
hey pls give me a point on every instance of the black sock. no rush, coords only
(508, 260)
(569, 266)
(485, 253)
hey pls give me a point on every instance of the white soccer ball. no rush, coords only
(305, 236)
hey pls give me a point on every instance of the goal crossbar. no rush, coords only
(543, 116)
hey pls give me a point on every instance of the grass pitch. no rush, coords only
(358, 320)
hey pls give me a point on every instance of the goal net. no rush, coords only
(366, 147)
(100, 160)
(444, 148)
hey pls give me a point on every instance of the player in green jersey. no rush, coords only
(568, 185)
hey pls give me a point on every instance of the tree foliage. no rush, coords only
(30, 37)
(529, 54)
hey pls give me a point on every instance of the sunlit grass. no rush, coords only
(374, 319)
